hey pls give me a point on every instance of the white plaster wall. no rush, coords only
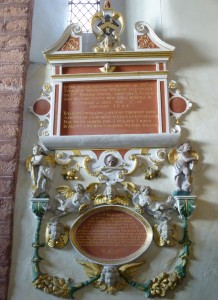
(48, 26)
(191, 27)
(137, 10)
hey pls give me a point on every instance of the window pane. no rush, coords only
(81, 12)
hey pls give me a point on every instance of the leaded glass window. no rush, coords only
(81, 12)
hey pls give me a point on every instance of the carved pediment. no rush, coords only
(70, 41)
(145, 39)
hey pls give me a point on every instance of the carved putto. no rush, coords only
(70, 200)
(40, 167)
(144, 201)
(183, 160)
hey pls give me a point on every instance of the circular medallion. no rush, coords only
(111, 235)
(41, 107)
(178, 105)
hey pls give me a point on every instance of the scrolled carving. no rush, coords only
(141, 27)
(76, 29)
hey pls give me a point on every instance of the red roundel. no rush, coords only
(178, 105)
(41, 107)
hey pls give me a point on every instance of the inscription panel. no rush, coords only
(110, 235)
(109, 108)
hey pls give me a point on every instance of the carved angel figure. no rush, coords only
(143, 202)
(183, 167)
(40, 166)
(111, 278)
(74, 200)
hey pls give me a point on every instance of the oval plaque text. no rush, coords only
(111, 235)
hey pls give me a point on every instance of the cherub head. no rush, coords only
(37, 149)
(145, 190)
(55, 230)
(79, 188)
(185, 147)
(165, 230)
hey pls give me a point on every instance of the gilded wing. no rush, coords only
(83, 208)
(130, 270)
(100, 199)
(172, 156)
(91, 269)
(107, 68)
(120, 199)
(66, 191)
(129, 186)
(50, 158)
(93, 187)
(28, 165)
(195, 155)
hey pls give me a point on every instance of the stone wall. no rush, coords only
(15, 34)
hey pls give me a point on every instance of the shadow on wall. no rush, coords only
(187, 55)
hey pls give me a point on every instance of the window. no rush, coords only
(81, 12)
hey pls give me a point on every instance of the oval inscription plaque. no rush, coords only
(111, 235)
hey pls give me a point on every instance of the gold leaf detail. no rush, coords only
(59, 243)
(145, 42)
(72, 44)
(173, 155)
(93, 187)
(66, 191)
(130, 270)
(90, 269)
(164, 282)
(53, 285)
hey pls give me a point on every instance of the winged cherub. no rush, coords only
(74, 200)
(111, 278)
